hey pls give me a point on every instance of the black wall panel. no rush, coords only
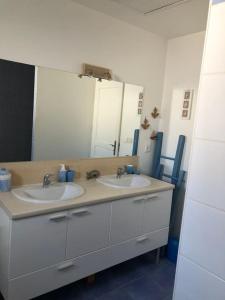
(16, 111)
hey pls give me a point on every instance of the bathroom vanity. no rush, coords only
(46, 246)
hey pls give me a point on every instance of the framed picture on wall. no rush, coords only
(187, 104)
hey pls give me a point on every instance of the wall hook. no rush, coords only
(153, 135)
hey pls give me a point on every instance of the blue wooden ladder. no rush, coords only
(177, 175)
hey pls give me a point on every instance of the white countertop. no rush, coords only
(95, 192)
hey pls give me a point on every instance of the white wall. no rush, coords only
(183, 64)
(64, 115)
(201, 262)
(62, 34)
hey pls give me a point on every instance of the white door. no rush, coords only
(131, 117)
(107, 118)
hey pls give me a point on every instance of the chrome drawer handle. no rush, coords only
(151, 197)
(142, 239)
(58, 217)
(80, 212)
(65, 266)
(138, 200)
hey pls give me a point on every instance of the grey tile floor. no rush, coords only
(136, 279)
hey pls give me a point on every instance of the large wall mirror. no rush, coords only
(49, 114)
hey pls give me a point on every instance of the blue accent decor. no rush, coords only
(178, 159)
(62, 176)
(135, 143)
(172, 249)
(177, 175)
(167, 157)
(157, 155)
(70, 175)
(5, 180)
(130, 169)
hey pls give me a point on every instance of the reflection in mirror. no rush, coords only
(64, 114)
(72, 117)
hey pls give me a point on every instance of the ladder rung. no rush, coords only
(169, 176)
(166, 175)
(167, 157)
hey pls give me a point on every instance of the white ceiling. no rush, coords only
(181, 18)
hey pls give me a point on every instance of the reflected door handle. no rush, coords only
(114, 147)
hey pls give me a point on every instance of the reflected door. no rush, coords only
(107, 118)
(131, 117)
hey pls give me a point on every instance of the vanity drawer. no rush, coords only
(88, 229)
(37, 242)
(138, 246)
(51, 278)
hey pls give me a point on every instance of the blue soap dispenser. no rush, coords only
(62, 173)
(5, 180)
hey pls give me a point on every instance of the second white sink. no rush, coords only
(55, 192)
(125, 181)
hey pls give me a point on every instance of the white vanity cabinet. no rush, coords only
(136, 216)
(126, 219)
(88, 229)
(42, 253)
(139, 224)
(156, 211)
(37, 242)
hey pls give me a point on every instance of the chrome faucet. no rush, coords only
(92, 174)
(47, 180)
(120, 172)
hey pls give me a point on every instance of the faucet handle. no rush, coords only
(93, 174)
(49, 175)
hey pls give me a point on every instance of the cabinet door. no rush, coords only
(88, 229)
(157, 211)
(126, 219)
(37, 242)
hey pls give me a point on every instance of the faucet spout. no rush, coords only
(120, 172)
(47, 180)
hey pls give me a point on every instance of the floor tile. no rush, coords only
(119, 294)
(145, 289)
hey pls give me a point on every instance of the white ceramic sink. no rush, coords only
(125, 181)
(53, 193)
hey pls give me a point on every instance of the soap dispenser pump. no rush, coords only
(62, 173)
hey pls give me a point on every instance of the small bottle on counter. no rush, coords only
(5, 180)
(62, 173)
(70, 175)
